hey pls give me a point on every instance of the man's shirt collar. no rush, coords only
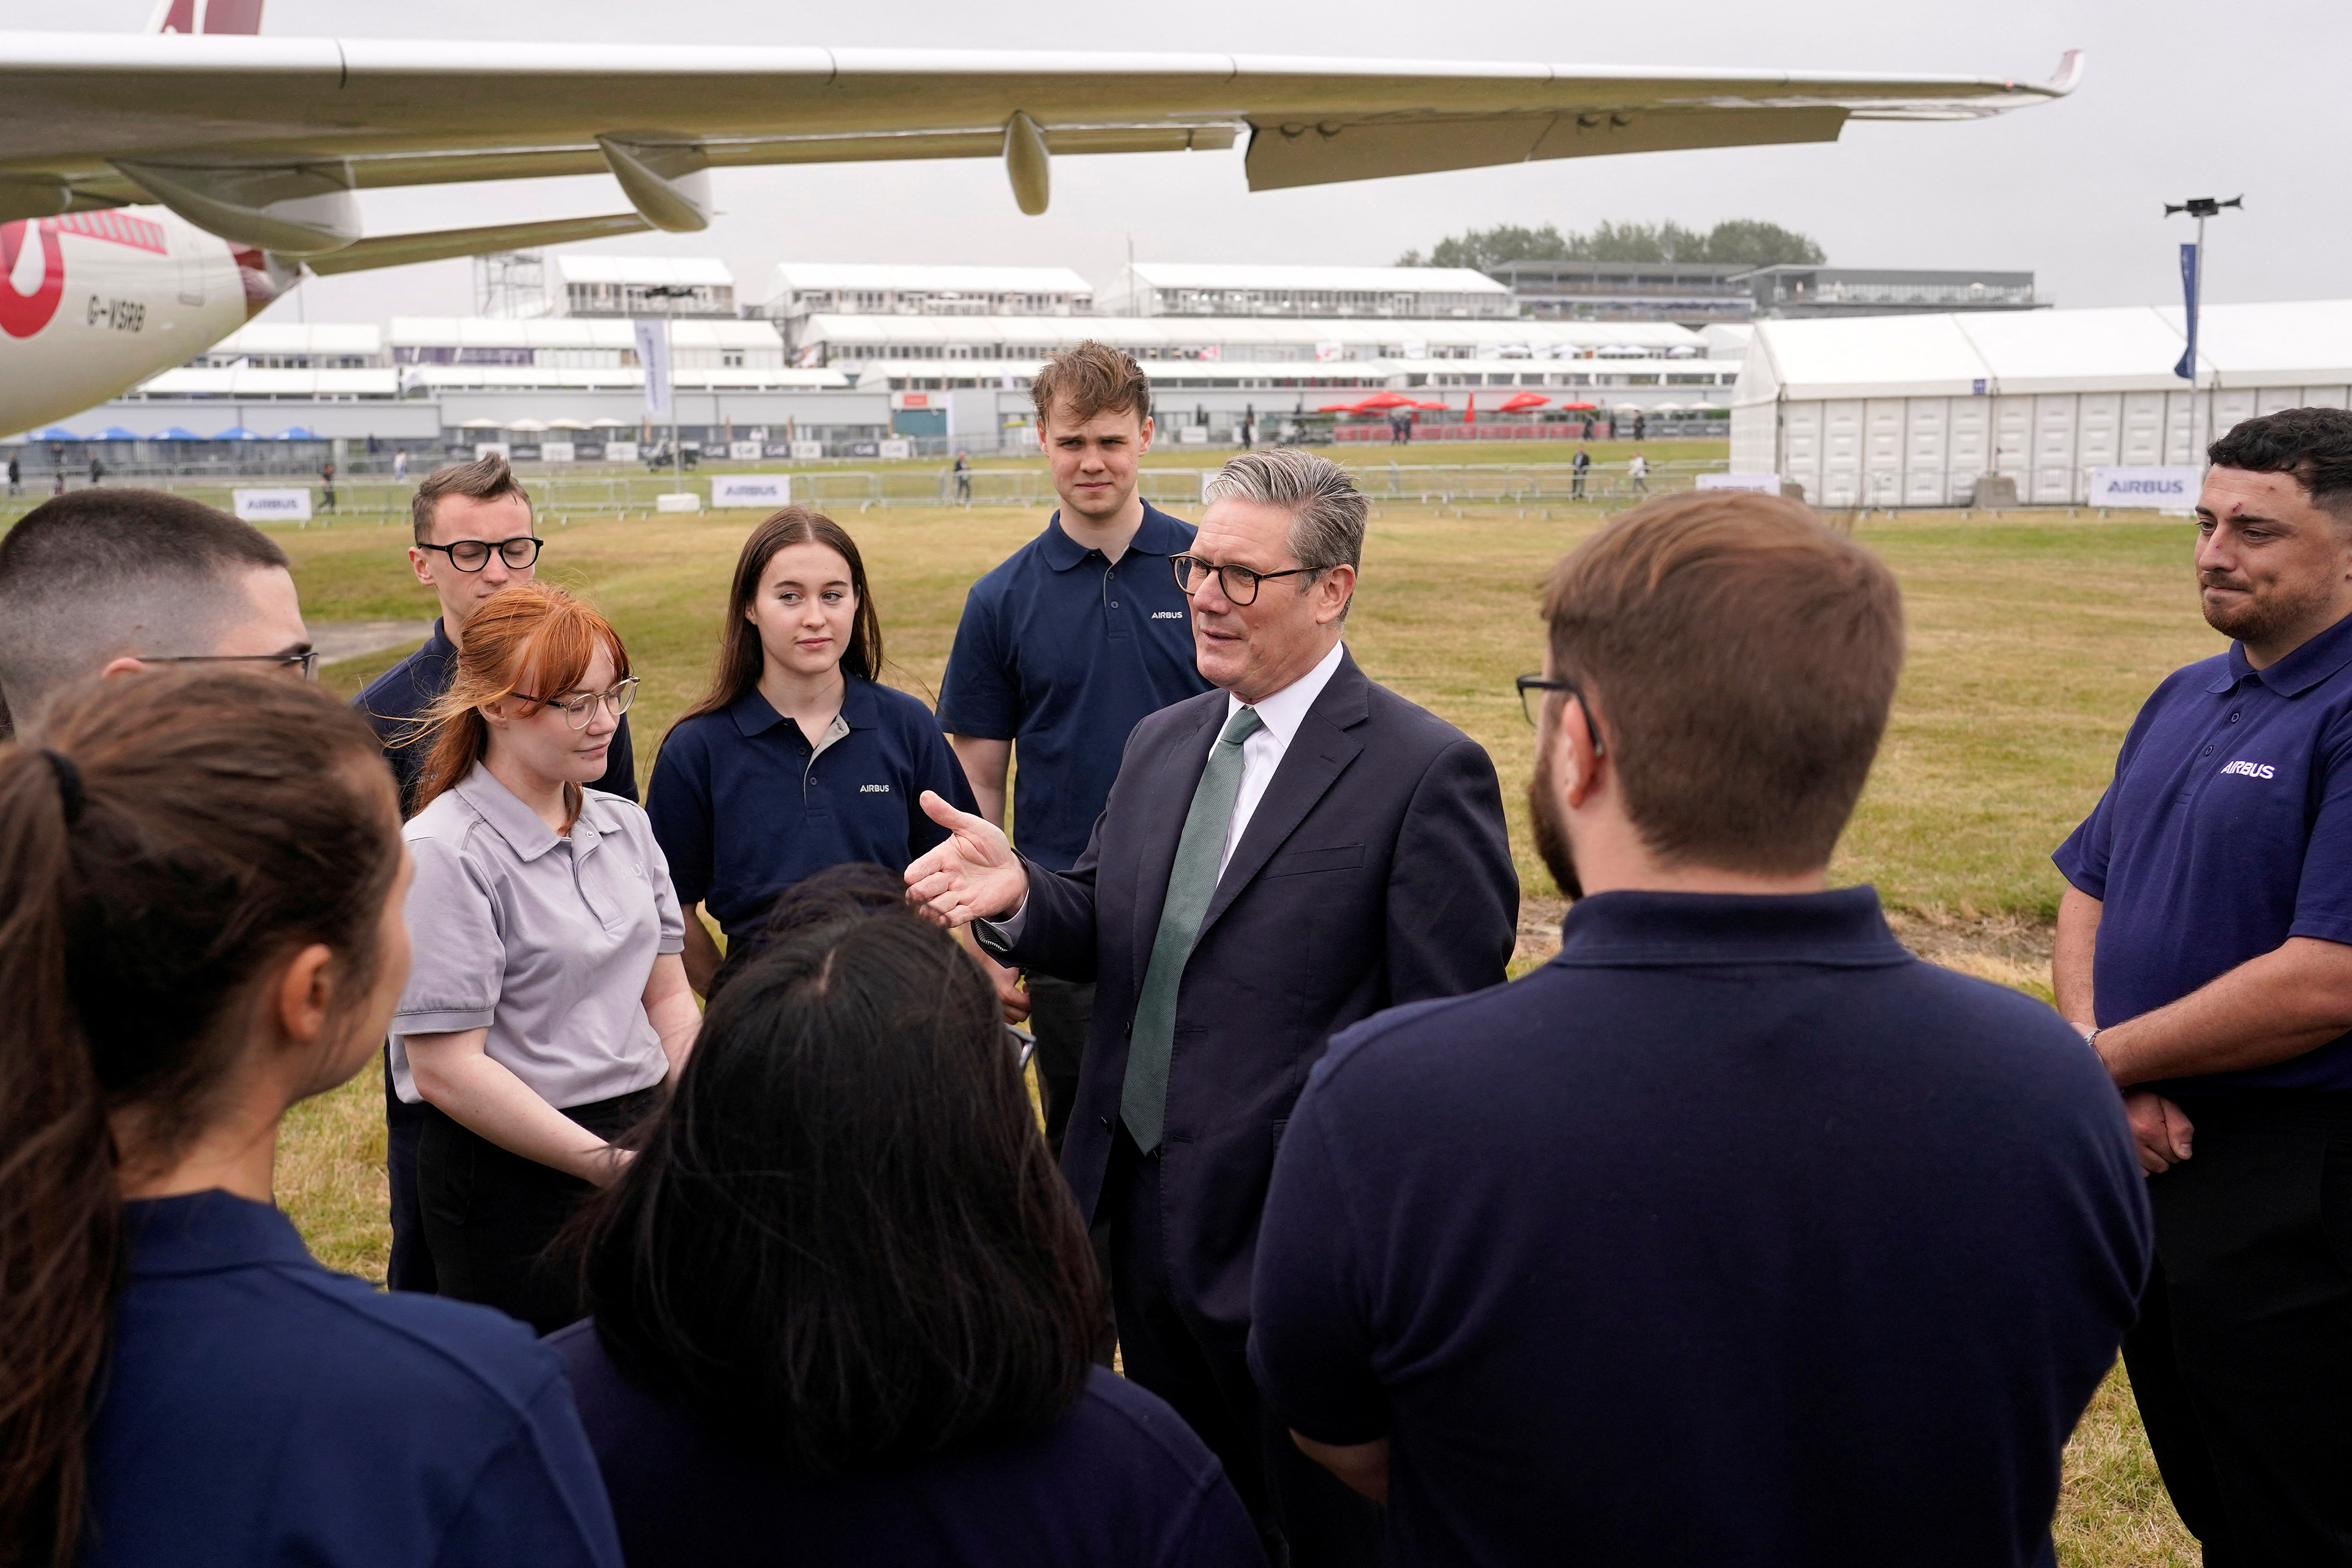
(2299, 671)
(1842, 926)
(1158, 534)
(1283, 712)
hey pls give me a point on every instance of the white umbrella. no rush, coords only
(531, 427)
(568, 425)
(483, 425)
(613, 425)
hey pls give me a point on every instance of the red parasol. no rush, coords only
(1525, 400)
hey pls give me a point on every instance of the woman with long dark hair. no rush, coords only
(201, 882)
(797, 758)
(549, 1005)
(843, 1303)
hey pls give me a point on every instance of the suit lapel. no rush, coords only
(1316, 756)
(1175, 775)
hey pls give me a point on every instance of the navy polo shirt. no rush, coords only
(744, 806)
(1118, 1480)
(2227, 830)
(260, 1408)
(395, 699)
(1735, 1234)
(1063, 653)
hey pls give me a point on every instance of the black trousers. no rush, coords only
(2241, 1361)
(1059, 1013)
(490, 1214)
(410, 1266)
(1307, 1517)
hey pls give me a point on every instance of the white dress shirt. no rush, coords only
(1279, 717)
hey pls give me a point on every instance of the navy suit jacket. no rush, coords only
(1375, 870)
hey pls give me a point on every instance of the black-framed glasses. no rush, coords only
(1547, 684)
(580, 711)
(1239, 583)
(305, 663)
(473, 555)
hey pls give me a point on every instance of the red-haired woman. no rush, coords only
(797, 758)
(548, 1004)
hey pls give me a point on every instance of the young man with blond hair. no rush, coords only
(1061, 649)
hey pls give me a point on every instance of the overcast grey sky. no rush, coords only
(2183, 98)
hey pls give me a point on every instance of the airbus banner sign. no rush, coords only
(2158, 489)
(752, 490)
(274, 506)
(1763, 484)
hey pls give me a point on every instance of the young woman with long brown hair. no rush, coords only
(201, 888)
(548, 1004)
(797, 758)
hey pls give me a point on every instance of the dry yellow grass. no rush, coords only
(2034, 639)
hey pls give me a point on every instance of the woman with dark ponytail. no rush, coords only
(201, 880)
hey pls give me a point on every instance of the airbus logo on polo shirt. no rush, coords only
(874, 789)
(2252, 770)
(1166, 614)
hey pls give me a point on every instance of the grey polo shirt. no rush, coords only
(546, 941)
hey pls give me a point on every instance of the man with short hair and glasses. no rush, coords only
(1278, 858)
(473, 536)
(102, 582)
(1735, 1233)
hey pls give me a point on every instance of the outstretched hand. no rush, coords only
(974, 876)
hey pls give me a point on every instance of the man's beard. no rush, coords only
(1551, 836)
(2258, 617)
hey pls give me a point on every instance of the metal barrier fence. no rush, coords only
(559, 499)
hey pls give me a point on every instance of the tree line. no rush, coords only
(1749, 240)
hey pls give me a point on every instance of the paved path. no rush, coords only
(349, 639)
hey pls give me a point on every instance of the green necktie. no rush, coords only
(1192, 881)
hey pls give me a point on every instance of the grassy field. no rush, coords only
(2033, 637)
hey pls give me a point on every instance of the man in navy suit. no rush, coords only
(1278, 858)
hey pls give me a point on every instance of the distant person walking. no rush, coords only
(1637, 474)
(1576, 474)
(1641, 425)
(96, 469)
(400, 466)
(327, 482)
(963, 479)
(16, 476)
(2205, 952)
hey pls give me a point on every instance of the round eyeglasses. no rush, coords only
(473, 555)
(579, 712)
(1239, 583)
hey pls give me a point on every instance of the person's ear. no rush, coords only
(1143, 443)
(305, 997)
(421, 563)
(1334, 588)
(125, 665)
(1577, 761)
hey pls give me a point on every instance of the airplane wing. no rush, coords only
(264, 140)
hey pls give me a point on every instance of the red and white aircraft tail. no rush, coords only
(205, 16)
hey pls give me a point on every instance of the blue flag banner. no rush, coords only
(2187, 369)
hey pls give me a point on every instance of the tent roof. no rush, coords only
(2130, 348)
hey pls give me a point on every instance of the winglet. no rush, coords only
(2069, 74)
(205, 16)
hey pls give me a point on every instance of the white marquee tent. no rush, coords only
(1910, 410)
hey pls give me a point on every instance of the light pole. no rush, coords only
(669, 293)
(2200, 208)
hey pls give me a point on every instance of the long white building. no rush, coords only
(1228, 288)
(1911, 410)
